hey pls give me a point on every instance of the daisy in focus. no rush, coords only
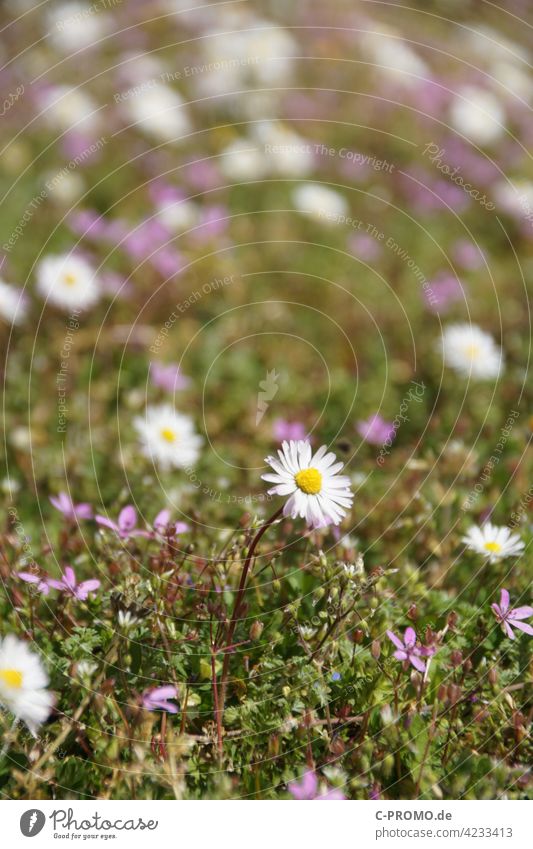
(493, 541)
(167, 437)
(470, 351)
(67, 281)
(317, 493)
(510, 619)
(23, 682)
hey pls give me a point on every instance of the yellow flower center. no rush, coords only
(168, 434)
(309, 481)
(11, 677)
(69, 279)
(473, 351)
(493, 546)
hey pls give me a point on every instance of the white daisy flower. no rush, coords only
(470, 351)
(168, 437)
(69, 108)
(13, 303)
(160, 112)
(320, 202)
(287, 153)
(317, 493)
(493, 541)
(23, 682)
(75, 25)
(67, 281)
(241, 159)
(477, 114)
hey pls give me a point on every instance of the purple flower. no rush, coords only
(288, 430)
(162, 524)
(444, 289)
(31, 578)
(126, 526)
(468, 255)
(510, 619)
(365, 247)
(68, 585)
(376, 430)
(168, 377)
(307, 790)
(408, 650)
(65, 505)
(156, 698)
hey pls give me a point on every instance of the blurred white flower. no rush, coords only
(393, 55)
(160, 112)
(74, 25)
(23, 682)
(478, 115)
(168, 438)
(242, 160)
(69, 108)
(515, 198)
(13, 303)
(494, 542)
(470, 351)
(287, 153)
(320, 201)
(67, 281)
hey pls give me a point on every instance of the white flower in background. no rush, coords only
(67, 281)
(178, 215)
(74, 25)
(13, 303)
(242, 160)
(508, 62)
(494, 542)
(478, 115)
(168, 438)
(317, 493)
(470, 351)
(321, 202)
(287, 153)
(69, 108)
(160, 112)
(65, 188)
(515, 198)
(393, 55)
(23, 682)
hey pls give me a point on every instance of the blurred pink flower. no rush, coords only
(510, 619)
(284, 429)
(364, 246)
(68, 585)
(126, 525)
(168, 377)
(156, 698)
(376, 430)
(65, 505)
(468, 255)
(443, 290)
(307, 790)
(162, 524)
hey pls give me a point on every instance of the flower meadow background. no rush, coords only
(233, 229)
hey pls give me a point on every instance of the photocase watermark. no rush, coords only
(223, 497)
(402, 254)
(517, 515)
(182, 307)
(18, 527)
(53, 182)
(354, 156)
(436, 156)
(414, 395)
(491, 463)
(268, 389)
(11, 99)
(62, 375)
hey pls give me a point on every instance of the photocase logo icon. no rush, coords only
(32, 822)
(268, 389)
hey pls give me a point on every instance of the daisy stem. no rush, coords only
(237, 607)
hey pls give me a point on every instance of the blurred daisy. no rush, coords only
(241, 159)
(168, 437)
(67, 281)
(23, 682)
(73, 26)
(493, 541)
(13, 303)
(160, 112)
(320, 202)
(470, 351)
(317, 493)
(68, 108)
(477, 114)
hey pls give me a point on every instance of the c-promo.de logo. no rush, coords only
(32, 822)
